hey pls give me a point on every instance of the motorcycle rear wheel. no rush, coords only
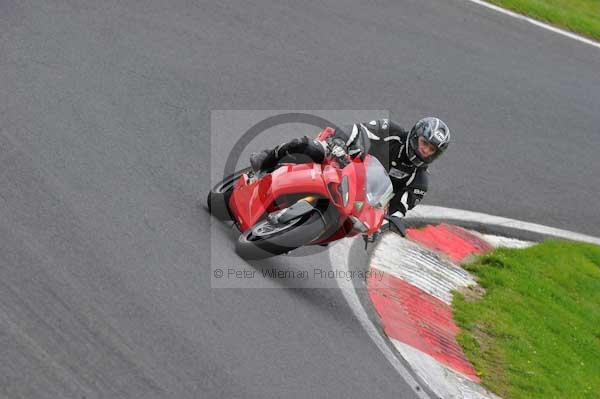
(218, 198)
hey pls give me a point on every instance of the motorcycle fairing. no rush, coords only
(251, 199)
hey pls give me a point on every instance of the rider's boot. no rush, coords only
(264, 160)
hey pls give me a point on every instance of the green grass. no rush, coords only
(580, 16)
(535, 333)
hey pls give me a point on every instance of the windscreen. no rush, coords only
(379, 186)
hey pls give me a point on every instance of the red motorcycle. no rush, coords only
(304, 204)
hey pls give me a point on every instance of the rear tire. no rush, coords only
(258, 243)
(218, 198)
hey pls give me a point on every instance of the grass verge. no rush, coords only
(580, 16)
(535, 332)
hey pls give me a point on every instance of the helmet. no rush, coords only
(435, 132)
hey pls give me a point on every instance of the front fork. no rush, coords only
(394, 224)
(299, 208)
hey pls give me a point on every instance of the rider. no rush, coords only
(404, 154)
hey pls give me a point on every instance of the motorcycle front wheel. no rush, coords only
(266, 239)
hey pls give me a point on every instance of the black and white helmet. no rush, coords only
(433, 130)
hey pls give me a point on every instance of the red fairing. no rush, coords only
(250, 201)
(247, 199)
(325, 134)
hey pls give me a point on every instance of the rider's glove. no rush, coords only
(338, 151)
(336, 148)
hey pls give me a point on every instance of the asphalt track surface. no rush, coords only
(105, 149)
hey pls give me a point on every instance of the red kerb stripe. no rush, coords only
(456, 242)
(420, 320)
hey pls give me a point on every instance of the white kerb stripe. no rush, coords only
(419, 267)
(499, 241)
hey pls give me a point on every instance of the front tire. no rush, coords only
(265, 239)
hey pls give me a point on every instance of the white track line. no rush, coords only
(338, 256)
(538, 23)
